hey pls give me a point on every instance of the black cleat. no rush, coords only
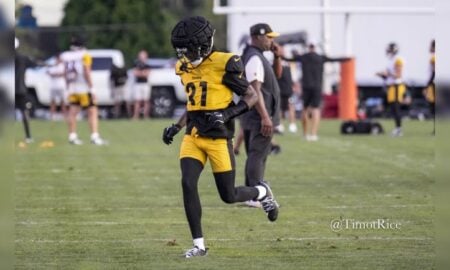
(269, 204)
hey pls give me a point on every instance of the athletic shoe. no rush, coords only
(269, 204)
(98, 141)
(76, 141)
(275, 149)
(397, 132)
(293, 128)
(279, 129)
(312, 138)
(252, 203)
(195, 251)
(29, 140)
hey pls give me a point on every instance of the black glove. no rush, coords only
(170, 132)
(215, 119)
(219, 118)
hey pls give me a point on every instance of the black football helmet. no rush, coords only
(192, 39)
(392, 48)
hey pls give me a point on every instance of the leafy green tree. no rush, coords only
(132, 25)
(128, 25)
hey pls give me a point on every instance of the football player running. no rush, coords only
(210, 78)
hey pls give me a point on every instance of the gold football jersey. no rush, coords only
(204, 84)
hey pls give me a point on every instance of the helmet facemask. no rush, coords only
(193, 40)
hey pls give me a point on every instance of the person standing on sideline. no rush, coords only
(259, 122)
(210, 78)
(78, 64)
(312, 83)
(396, 89)
(430, 91)
(141, 89)
(22, 62)
(57, 87)
(118, 79)
(286, 91)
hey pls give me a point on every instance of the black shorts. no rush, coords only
(284, 103)
(311, 97)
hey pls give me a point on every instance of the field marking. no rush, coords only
(378, 206)
(294, 239)
(88, 209)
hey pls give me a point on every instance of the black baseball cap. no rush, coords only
(263, 29)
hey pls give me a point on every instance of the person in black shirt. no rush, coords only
(23, 62)
(286, 94)
(141, 89)
(312, 81)
(118, 79)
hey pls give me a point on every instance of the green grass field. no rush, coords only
(120, 206)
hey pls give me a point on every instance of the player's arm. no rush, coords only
(266, 121)
(87, 64)
(335, 59)
(170, 132)
(255, 74)
(235, 80)
(294, 58)
(277, 67)
(398, 69)
(432, 75)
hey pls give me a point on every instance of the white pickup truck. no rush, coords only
(167, 89)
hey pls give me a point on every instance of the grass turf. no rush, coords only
(120, 206)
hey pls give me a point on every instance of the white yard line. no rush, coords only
(294, 239)
(89, 209)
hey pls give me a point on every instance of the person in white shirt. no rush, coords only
(396, 88)
(57, 87)
(78, 64)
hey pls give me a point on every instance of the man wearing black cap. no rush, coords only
(258, 124)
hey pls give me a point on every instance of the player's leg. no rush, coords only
(192, 160)
(146, 108)
(63, 107)
(306, 112)
(52, 105)
(304, 120)
(395, 110)
(22, 106)
(137, 101)
(220, 154)
(315, 121)
(223, 164)
(92, 109)
(74, 108)
(190, 172)
(147, 105)
(315, 113)
(291, 116)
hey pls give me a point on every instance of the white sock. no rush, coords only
(72, 136)
(200, 243)
(95, 136)
(262, 191)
